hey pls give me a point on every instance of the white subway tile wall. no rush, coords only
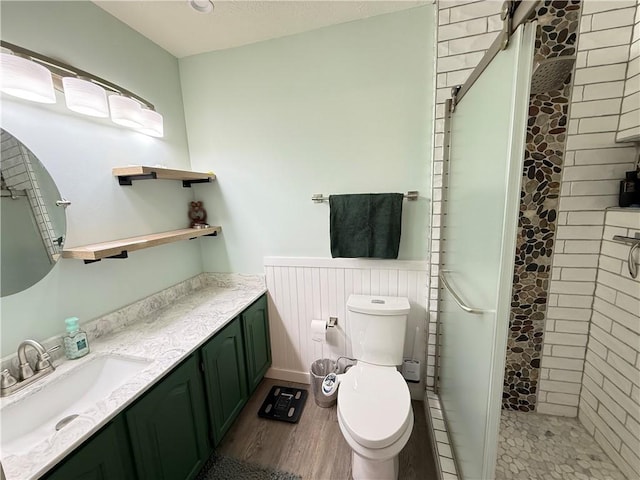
(609, 404)
(465, 31)
(594, 165)
(19, 176)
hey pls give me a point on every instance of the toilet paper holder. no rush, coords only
(333, 321)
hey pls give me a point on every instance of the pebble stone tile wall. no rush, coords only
(543, 161)
(545, 447)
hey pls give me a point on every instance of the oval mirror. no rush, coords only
(32, 225)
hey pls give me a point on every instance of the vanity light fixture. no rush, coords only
(25, 79)
(125, 111)
(32, 76)
(152, 123)
(201, 6)
(86, 97)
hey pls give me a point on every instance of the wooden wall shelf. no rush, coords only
(126, 175)
(120, 248)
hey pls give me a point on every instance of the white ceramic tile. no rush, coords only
(604, 73)
(599, 91)
(605, 38)
(594, 6)
(558, 410)
(472, 43)
(595, 108)
(612, 19)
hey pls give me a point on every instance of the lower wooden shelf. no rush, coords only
(121, 248)
(126, 175)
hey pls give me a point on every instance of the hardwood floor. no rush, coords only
(314, 447)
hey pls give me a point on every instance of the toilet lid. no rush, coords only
(374, 404)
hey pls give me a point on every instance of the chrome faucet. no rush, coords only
(26, 374)
(43, 363)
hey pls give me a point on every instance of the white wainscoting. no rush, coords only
(302, 289)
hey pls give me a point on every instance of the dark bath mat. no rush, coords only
(220, 467)
(284, 404)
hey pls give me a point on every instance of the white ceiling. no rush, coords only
(176, 27)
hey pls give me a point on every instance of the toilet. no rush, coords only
(374, 404)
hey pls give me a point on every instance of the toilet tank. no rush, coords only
(376, 326)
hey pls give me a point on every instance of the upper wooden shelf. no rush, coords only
(126, 175)
(120, 248)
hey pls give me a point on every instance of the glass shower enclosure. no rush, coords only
(487, 134)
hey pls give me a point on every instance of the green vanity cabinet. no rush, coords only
(257, 347)
(105, 456)
(225, 377)
(169, 432)
(168, 427)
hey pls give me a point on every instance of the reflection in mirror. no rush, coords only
(32, 226)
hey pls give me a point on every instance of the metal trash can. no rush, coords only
(320, 369)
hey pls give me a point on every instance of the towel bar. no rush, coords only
(411, 195)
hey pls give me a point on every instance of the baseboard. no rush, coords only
(288, 375)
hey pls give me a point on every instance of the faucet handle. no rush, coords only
(44, 359)
(25, 371)
(6, 379)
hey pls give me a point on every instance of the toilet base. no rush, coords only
(367, 469)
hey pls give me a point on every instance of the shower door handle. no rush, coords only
(456, 297)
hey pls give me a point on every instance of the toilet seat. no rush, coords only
(374, 405)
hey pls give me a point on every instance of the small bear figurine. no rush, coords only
(197, 214)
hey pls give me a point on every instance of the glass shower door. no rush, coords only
(488, 131)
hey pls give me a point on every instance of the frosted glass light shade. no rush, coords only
(125, 111)
(152, 123)
(23, 78)
(85, 97)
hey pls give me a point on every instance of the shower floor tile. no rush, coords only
(533, 446)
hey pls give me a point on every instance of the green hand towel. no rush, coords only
(365, 225)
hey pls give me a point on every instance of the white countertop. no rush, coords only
(165, 337)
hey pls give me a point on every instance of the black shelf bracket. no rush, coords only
(128, 179)
(122, 254)
(214, 234)
(188, 183)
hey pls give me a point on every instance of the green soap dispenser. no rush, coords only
(76, 344)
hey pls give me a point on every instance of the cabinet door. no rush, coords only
(168, 427)
(105, 456)
(255, 326)
(225, 377)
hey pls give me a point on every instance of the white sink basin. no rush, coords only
(35, 417)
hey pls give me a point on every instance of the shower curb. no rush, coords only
(440, 441)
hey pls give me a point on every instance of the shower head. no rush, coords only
(550, 73)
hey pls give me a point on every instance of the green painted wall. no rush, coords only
(342, 109)
(80, 152)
